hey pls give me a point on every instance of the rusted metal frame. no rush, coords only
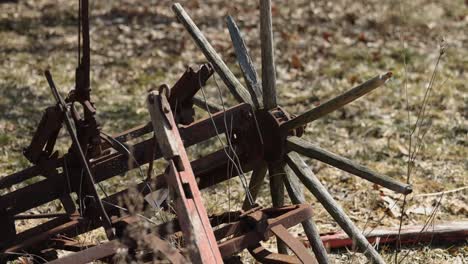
(85, 165)
(191, 212)
(183, 91)
(208, 176)
(287, 216)
(68, 244)
(294, 244)
(265, 256)
(91, 254)
(43, 140)
(41, 237)
(109, 249)
(38, 216)
(117, 163)
(26, 174)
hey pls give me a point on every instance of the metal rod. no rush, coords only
(236, 88)
(245, 63)
(336, 102)
(201, 103)
(307, 149)
(84, 162)
(38, 216)
(268, 58)
(296, 194)
(308, 178)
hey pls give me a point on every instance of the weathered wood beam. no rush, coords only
(296, 194)
(308, 178)
(310, 150)
(255, 184)
(276, 173)
(268, 57)
(245, 62)
(236, 88)
(336, 102)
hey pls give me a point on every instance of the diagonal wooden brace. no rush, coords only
(191, 213)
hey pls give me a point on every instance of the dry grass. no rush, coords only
(323, 48)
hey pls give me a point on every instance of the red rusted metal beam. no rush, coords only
(117, 163)
(444, 232)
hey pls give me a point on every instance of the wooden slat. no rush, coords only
(276, 173)
(336, 102)
(296, 194)
(308, 178)
(236, 88)
(256, 181)
(268, 57)
(308, 149)
(246, 64)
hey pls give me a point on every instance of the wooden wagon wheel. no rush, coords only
(281, 133)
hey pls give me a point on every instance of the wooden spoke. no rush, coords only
(311, 182)
(336, 102)
(308, 149)
(256, 181)
(236, 88)
(201, 103)
(268, 58)
(276, 172)
(245, 63)
(296, 194)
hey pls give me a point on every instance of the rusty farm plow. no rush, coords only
(261, 137)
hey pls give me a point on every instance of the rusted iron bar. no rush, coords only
(263, 255)
(82, 158)
(337, 102)
(292, 243)
(191, 212)
(117, 163)
(312, 151)
(99, 252)
(268, 56)
(450, 232)
(308, 178)
(210, 170)
(245, 63)
(251, 220)
(38, 216)
(236, 88)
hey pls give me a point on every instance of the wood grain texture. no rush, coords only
(310, 181)
(296, 194)
(255, 184)
(312, 151)
(268, 57)
(236, 88)
(276, 173)
(337, 102)
(245, 62)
